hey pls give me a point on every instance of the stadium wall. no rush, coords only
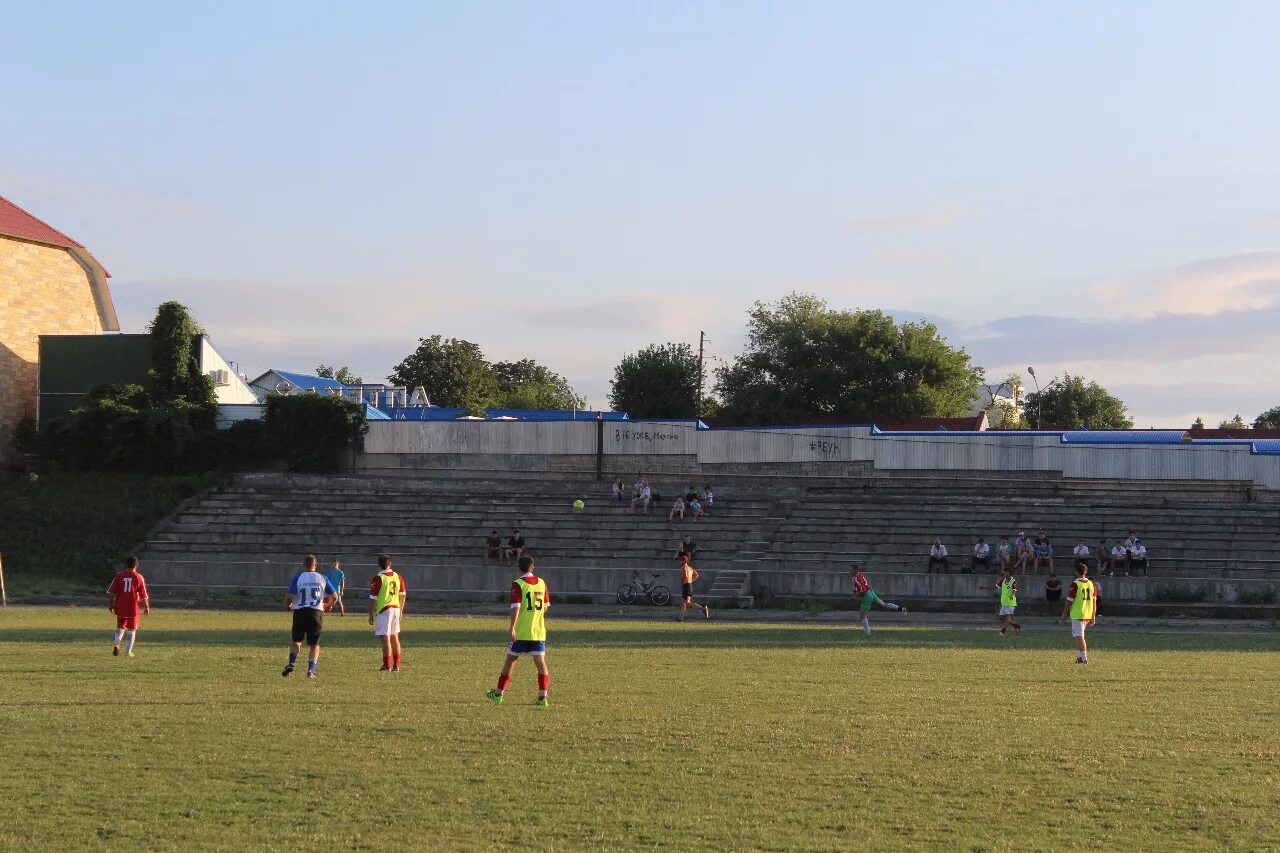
(680, 447)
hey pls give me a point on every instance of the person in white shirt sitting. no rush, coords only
(1080, 553)
(1138, 558)
(938, 555)
(1119, 558)
(981, 556)
(677, 510)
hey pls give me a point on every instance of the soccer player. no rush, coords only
(1008, 602)
(386, 603)
(1082, 605)
(338, 580)
(309, 595)
(688, 574)
(866, 597)
(127, 589)
(529, 602)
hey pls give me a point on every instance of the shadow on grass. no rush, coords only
(693, 634)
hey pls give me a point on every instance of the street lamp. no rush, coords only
(1032, 371)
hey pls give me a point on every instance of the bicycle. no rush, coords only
(652, 590)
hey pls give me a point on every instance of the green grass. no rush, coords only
(73, 526)
(701, 735)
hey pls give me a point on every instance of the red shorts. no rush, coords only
(127, 623)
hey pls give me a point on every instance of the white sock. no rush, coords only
(893, 606)
(119, 634)
(128, 640)
(866, 626)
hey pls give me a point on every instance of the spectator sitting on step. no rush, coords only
(1104, 557)
(1053, 589)
(1138, 558)
(981, 556)
(937, 555)
(641, 497)
(677, 510)
(1119, 559)
(1004, 553)
(492, 547)
(695, 508)
(1021, 552)
(619, 491)
(1043, 552)
(1080, 553)
(687, 548)
(708, 499)
(515, 547)
(689, 495)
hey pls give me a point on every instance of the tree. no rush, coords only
(1235, 423)
(659, 381)
(1072, 403)
(1002, 400)
(342, 374)
(453, 372)
(804, 360)
(175, 359)
(525, 384)
(1270, 419)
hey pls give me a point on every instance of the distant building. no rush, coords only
(49, 285)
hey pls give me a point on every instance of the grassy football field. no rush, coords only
(696, 735)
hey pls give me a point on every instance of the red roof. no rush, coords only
(16, 222)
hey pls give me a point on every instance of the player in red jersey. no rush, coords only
(126, 590)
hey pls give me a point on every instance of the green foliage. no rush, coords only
(26, 436)
(175, 360)
(525, 384)
(312, 432)
(659, 381)
(1072, 403)
(805, 360)
(342, 374)
(64, 529)
(1270, 419)
(1235, 423)
(453, 372)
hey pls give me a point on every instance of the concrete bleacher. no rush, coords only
(770, 535)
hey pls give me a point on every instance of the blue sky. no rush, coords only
(1087, 187)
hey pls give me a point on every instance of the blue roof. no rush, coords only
(307, 382)
(372, 414)
(554, 414)
(1146, 436)
(1267, 447)
(421, 413)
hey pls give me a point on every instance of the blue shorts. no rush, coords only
(533, 648)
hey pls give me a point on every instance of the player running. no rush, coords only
(867, 597)
(127, 588)
(688, 574)
(338, 580)
(1008, 602)
(386, 603)
(529, 602)
(1082, 604)
(309, 595)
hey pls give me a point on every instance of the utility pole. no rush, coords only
(702, 340)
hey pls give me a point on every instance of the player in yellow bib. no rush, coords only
(386, 602)
(1082, 606)
(1008, 587)
(529, 602)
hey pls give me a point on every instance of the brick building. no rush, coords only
(49, 285)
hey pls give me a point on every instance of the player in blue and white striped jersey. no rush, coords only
(310, 594)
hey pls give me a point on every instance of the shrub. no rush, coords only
(314, 432)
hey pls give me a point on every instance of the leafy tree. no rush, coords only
(805, 360)
(175, 359)
(1072, 403)
(659, 381)
(1000, 403)
(342, 374)
(453, 372)
(525, 384)
(313, 432)
(1235, 423)
(1270, 419)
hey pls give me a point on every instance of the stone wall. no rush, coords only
(43, 291)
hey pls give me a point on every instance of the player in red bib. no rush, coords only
(126, 590)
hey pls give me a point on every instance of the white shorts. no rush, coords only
(1007, 611)
(1078, 626)
(387, 623)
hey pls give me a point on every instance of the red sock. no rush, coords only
(543, 681)
(386, 661)
(395, 661)
(503, 681)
